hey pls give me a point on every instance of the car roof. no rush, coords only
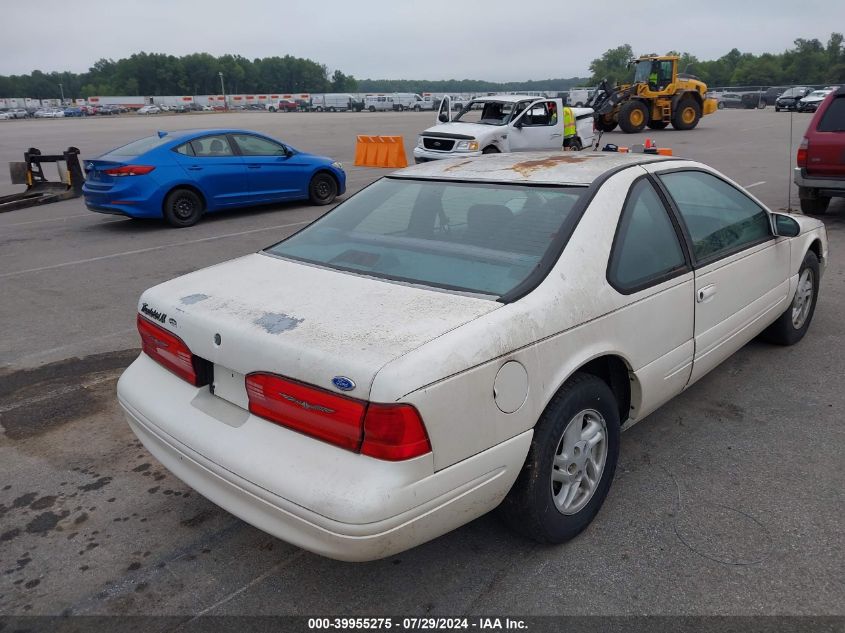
(184, 134)
(564, 168)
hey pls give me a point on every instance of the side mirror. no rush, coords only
(785, 226)
(443, 117)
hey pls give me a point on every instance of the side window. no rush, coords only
(256, 146)
(719, 218)
(185, 149)
(540, 114)
(646, 247)
(212, 146)
(833, 119)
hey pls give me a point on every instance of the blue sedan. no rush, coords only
(179, 176)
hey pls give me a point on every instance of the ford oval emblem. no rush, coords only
(343, 383)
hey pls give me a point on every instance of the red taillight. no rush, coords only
(168, 350)
(394, 432)
(316, 412)
(129, 170)
(801, 158)
(385, 431)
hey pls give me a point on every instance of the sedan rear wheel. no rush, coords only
(570, 464)
(182, 208)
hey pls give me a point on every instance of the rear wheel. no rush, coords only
(272, 109)
(570, 463)
(182, 208)
(720, 105)
(633, 116)
(573, 144)
(490, 150)
(372, 108)
(606, 123)
(323, 189)
(793, 324)
(658, 125)
(687, 115)
(416, 108)
(815, 206)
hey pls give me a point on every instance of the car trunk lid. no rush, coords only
(261, 313)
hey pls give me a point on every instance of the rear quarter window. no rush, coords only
(833, 119)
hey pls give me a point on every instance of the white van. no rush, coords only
(331, 102)
(381, 103)
(408, 101)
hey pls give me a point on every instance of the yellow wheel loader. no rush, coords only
(658, 96)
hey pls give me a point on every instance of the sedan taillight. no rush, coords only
(386, 431)
(129, 170)
(170, 351)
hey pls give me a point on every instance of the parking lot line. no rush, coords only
(756, 184)
(138, 251)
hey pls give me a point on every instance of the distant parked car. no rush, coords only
(108, 110)
(182, 175)
(283, 105)
(17, 113)
(74, 112)
(4, 116)
(729, 100)
(149, 109)
(207, 108)
(50, 113)
(820, 170)
(811, 102)
(789, 99)
(770, 95)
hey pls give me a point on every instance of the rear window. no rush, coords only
(833, 119)
(142, 145)
(476, 237)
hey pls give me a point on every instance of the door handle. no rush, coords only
(195, 168)
(703, 295)
(556, 136)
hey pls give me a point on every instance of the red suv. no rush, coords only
(820, 174)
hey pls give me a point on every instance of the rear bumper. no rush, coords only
(122, 199)
(316, 496)
(825, 186)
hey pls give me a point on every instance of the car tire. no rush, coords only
(574, 144)
(183, 208)
(372, 108)
(606, 123)
(417, 108)
(793, 324)
(777, 109)
(815, 206)
(559, 462)
(490, 149)
(272, 109)
(720, 105)
(633, 116)
(323, 189)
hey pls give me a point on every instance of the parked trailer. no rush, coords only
(133, 103)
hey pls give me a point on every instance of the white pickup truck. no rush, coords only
(502, 123)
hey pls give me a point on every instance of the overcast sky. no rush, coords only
(495, 40)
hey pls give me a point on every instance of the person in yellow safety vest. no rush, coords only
(569, 128)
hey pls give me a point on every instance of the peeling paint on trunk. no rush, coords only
(192, 299)
(277, 322)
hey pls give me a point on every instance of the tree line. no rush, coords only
(156, 74)
(807, 62)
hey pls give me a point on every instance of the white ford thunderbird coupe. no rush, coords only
(460, 335)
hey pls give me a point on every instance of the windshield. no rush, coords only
(484, 238)
(489, 112)
(643, 69)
